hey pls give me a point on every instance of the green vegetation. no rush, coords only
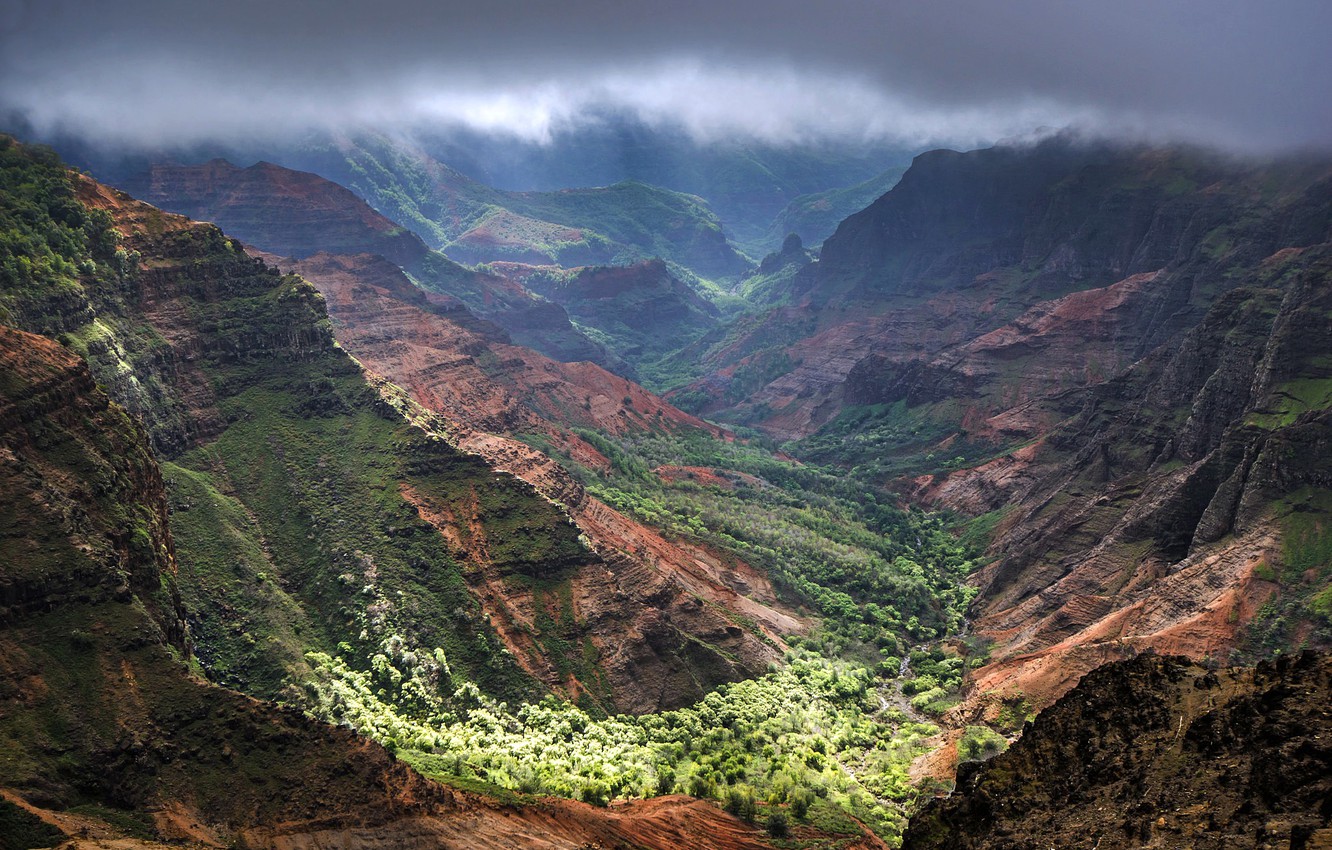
(880, 577)
(815, 217)
(1302, 604)
(48, 240)
(980, 742)
(885, 441)
(20, 830)
(817, 729)
(335, 534)
(1293, 398)
(812, 730)
(771, 288)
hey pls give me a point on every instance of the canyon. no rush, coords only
(251, 467)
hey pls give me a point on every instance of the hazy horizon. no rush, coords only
(1239, 76)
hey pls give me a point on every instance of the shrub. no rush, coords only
(800, 803)
(665, 781)
(980, 742)
(741, 803)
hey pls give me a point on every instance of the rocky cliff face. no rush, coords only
(966, 244)
(1098, 348)
(84, 503)
(640, 604)
(291, 213)
(1157, 752)
(97, 704)
(465, 368)
(296, 214)
(1181, 507)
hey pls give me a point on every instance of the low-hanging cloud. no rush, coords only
(962, 72)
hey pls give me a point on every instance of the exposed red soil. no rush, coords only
(1107, 608)
(296, 212)
(451, 365)
(982, 488)
(642, 594)
(469, 822)
(706, 476)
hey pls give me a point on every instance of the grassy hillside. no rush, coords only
(307, 572)
(287, 471)
(815, 217)
(623, 222)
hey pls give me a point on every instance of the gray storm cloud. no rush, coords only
(1246, 75)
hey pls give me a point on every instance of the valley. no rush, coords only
(549, 517)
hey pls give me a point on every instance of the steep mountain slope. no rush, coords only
(465, 368)
(1156, 752)
(107, 732)
(581, 631)
(1183, 507)
(620, 223)
(966, 243)
(815, 217)
(646, 587)
(333, 504)
(292, 213)
(296, 214)
(99, 707)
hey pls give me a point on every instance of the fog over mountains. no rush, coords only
(880, 424)
(1239, 75)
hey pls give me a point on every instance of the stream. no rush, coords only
(890, 694)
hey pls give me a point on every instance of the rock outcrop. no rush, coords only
(1157, 752)
(296, 214)
(291, 213)
(1179, 501)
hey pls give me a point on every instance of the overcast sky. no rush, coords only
(1245, 75)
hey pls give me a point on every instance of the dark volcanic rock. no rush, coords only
(1156, 752)
(968, 244)
(1163, 512)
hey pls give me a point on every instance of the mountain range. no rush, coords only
(355, 495)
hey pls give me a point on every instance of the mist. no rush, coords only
(1241, 76)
